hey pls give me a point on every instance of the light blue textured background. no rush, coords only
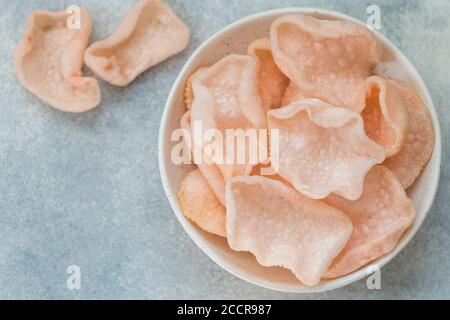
(85, 189)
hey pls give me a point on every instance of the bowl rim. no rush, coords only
(189, 228)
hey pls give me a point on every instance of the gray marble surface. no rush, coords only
(85, 189)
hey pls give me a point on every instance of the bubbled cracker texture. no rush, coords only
(326, 59)
(49, 59)
(379, 218)
(283, 228)
(149, 34)
(323, 149)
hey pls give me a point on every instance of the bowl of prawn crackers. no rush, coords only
(300, 150)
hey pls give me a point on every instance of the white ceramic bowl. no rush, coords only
(234, 39)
